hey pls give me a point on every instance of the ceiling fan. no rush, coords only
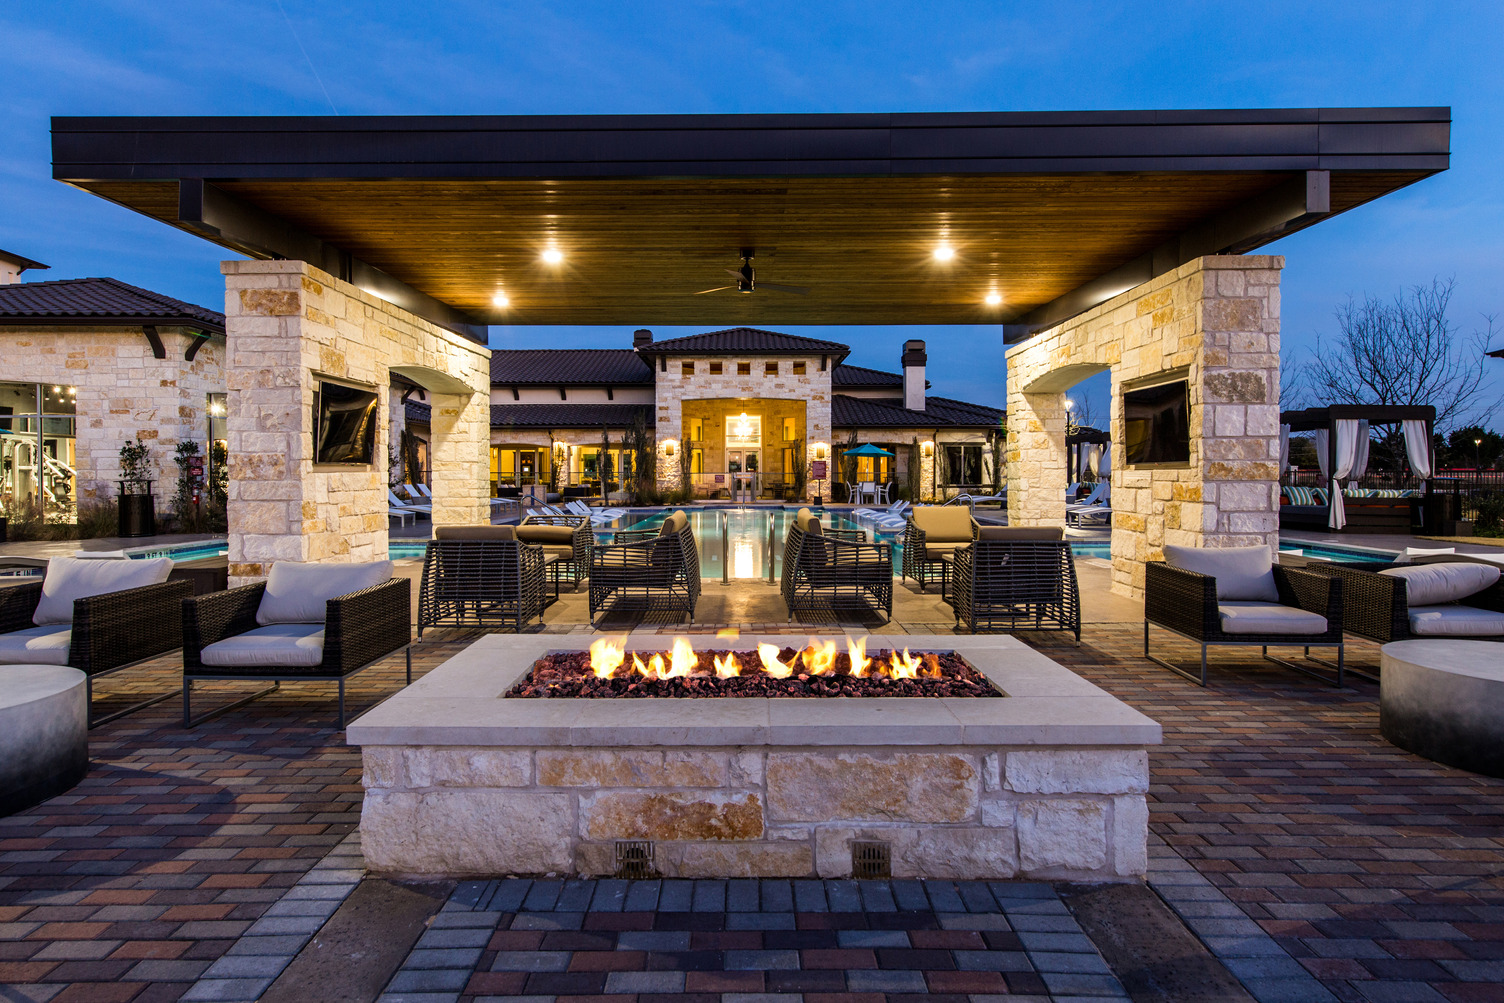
(746, 280)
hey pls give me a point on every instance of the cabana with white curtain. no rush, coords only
(1088, 450)
(1342, 438)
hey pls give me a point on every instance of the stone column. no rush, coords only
(460, 428)
(1036, 458)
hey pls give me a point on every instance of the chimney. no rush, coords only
(12, 265)
(641, 338)
(913, 375)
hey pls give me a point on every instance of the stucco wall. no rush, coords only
(1218, 319)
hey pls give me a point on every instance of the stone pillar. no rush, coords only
(1036, 457)
(289, 324)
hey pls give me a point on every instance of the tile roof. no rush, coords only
(418, 412)
(939, 412)
(861, 376)
(100, 300)
(745, 340)
(568, 366)
(568, 415)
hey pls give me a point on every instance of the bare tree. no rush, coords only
(1404, 352)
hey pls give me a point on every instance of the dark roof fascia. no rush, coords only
(89, 148)
(1314, 418)
(111, 320)
(22, 262)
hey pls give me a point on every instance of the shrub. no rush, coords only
(1489, 520)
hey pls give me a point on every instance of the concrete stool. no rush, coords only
(1444, 700)
(44, 733)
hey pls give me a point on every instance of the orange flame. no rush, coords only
(682, 660)
(857, 652)
(653, 669)
(905, 666)
(770, 663)
(606, 657)
(820, 658)
(726, 668)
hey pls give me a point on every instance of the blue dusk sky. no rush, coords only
(296, 57)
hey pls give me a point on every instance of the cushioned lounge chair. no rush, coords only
(480, 576)
(99, 616)
(1237, 596)
(566, 540)
(1441, 599)
(830, 569)
(1015, 578)
(647, 570)
(304, 623)
(933, 533)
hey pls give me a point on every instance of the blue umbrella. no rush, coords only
(867, 449)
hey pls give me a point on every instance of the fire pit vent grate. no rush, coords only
(871, 859)
(634, 859)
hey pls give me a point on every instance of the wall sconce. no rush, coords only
(668, 447)
(820, 450)
(928, 448)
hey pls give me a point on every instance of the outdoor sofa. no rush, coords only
(1015, 578)
(647, 571)
(1459, 599)
(304, 623)
(826, 570)
(98, 616)
(933, 534)
(1236, 596)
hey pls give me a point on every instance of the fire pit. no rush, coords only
(610, 670)
(506, 759)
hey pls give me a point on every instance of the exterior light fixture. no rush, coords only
(994, 299)
(929, 448)
(668, 447)
(553, 256)
(944, 252)
(1069, 403)
(819, 450)
(501, 299)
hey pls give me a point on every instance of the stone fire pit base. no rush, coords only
(1048, 783)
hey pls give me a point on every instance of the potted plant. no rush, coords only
(137, 509)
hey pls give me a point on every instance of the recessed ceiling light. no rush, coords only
(944, 252)
(994, 299)
(553, 256)
(500, 299)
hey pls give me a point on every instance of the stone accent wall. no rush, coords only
(1053, 814)
(673, 389)
(123, 393)
(1217, 319)
(289, 323)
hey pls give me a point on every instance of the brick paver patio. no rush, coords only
(1380, 874)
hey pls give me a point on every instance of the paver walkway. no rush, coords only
(1380, 874)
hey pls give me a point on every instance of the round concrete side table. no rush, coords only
(1444, 700)
(44, 733)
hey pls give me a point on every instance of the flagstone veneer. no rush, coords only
(1049, 782)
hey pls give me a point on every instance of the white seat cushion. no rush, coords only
(1243, 574)
(47, 645)
(273, 645)
(1268, 618)
(69, 578)
(299, 593)
(1455, 621)
(1430, 584)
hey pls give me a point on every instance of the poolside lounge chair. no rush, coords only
(566, 540)
(478, 576)
(1237, 596)
(1015, 578)
(304, 623)
(647, 571)
(896, 509)
(598, 516)
(832, 569)
(99, 616)
(416, 508)
(933, 533)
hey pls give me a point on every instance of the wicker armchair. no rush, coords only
(827, 569)
(480, 575)
(359, 628)
(647, 570)
(1377, 606)
(566, 556)
(109, 632)
(933, 533)
(1016, 578)
(1185, 603)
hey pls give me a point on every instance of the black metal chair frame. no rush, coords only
(837, 568)
(1185, 603)
(920, 568)
(574, 569)
(479, 583)
(654, 572)
(111, 632)
(1015, 585)
(1376, 606)
(360, 629)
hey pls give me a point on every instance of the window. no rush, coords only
(962, 465)
(697, 461)
(744, 369)
(789, 430)
(715, 369)
(770, 369)
(38, 448)
(799, 368)
(686, 369)
(694, 429)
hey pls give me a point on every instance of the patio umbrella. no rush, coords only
(867, 449)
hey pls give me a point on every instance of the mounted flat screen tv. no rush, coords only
(1157, 425)
(344, 424)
